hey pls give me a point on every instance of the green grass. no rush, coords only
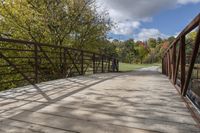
(124, 67)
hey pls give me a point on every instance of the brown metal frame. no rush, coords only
(62, 61)
(172, 72)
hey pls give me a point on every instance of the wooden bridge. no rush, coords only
(54, 90)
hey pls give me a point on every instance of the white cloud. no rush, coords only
(121, 10)
(145, 34)
(125, 28)
(128, 14)
(133, 9)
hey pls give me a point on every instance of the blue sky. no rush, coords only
(143, 19)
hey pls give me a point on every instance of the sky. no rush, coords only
(143, 19)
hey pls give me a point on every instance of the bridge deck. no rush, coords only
(135, 102)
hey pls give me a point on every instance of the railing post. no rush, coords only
(36, 63)
(168, 64)
(60, 60)
(163, 65)
(177, 66)
(171, 63)
(182, 52)
(65, 63)
(166, 71)
(94, 63)
(82, 63)
(174, 63)
(194, 56)
(102, 64)
(108, 64)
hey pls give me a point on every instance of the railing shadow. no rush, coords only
(43, 93)
(85, 102)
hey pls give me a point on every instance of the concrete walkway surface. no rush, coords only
(143, 101)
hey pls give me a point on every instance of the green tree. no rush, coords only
(129, 50)
(73, 23)
(171, 39)
(142, 51)
(152, 42)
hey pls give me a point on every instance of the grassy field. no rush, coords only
(123, 67)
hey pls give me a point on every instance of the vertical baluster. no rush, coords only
(174, 62)
(82, 63)
(182, 45)
(36, 63)
(102, 64)
(108, 64)
(194, 56)
(94, 63)
(177, 66)
(61, 63)
(168, 64)
(64, 63)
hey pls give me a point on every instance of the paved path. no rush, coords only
(137, 102)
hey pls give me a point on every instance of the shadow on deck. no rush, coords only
(143, 102)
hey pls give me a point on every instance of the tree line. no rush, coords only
(149, 51)
(131, 51)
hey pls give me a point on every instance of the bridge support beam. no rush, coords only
(182, 52)
(194, 56)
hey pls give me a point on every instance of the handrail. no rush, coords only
(42, 44)
(174, 63)
(36, 62)
(192, 25)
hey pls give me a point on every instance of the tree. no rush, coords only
(129, 50)
(159, 40)
(109, 48)
(152, 42)
(74, 23)
(190, 41)
(142, 51)
(164, 46)
(171, 39)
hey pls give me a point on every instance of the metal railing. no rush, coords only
(25, 62)
(181, 62)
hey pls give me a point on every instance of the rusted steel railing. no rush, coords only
(24, 62)
(181, 62)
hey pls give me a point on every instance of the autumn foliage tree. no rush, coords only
(74, 23)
